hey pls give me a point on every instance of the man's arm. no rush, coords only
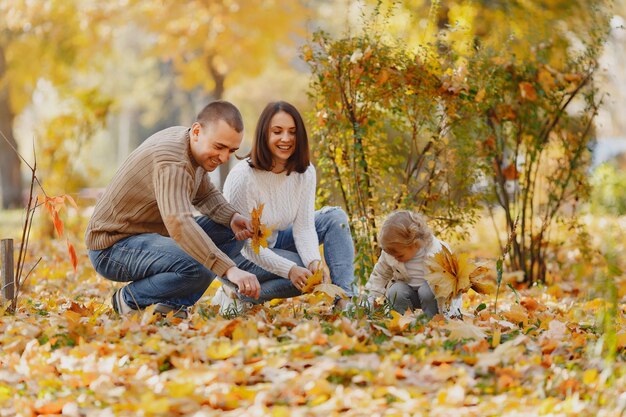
(212, 203)
(173, 187)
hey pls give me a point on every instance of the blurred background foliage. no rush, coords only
(87, 81)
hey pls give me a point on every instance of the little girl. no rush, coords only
(400, 272)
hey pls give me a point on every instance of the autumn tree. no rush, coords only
(52, 42)
(414, 125)
(381, 137)
(214, 44)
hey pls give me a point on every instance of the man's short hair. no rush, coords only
(221, 110)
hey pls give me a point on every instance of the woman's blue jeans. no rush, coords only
(158, 270)
(333, 230)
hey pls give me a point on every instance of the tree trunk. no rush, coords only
(10, 179)
(218, 94)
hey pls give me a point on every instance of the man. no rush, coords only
(142, 230)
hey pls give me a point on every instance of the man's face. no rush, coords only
(212, 145)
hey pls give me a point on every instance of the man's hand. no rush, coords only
(315, 265)
(247, 283)
(298, 276)
(241, 227)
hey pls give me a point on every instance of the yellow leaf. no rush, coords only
(516, 314)
(400, 322)
(150, 404)
(590, 376)
(497, 335)
(180, 389)
(260, 232)
(313, 280)
(330, 290)
(451, 274)
(462, 330)
(5, 392)
(221, 350)
(480, 283)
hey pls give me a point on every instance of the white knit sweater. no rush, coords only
(289, 201)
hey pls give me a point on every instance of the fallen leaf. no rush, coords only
(399, 322)
(331, 290)
(463, 330)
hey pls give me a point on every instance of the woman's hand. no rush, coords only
(298, 276)
(315, 265)
(241, 227)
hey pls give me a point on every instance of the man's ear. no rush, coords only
(195, 130)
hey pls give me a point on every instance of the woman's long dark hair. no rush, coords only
(261, 156)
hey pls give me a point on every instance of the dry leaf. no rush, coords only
(331, 290)
(399, 322)
(516, 314)
(451, 275)
(480, 282)
(463, 330)
(260, 232)
(527, 91)
(312, 281)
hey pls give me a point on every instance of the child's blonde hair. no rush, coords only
(404, 228)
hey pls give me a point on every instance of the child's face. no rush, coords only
(404, 253)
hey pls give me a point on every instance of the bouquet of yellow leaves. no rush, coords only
(260, 232)
(451, 275)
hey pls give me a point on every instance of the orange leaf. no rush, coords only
(72, 252)
(510, 172)
(227, 331)
(260, 232)
(58, 223)
(71, 200)
(527, 90)
(54, 407)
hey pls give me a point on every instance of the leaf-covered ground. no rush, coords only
(553, 350)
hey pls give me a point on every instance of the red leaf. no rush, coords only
(58, 223)
(72, 252)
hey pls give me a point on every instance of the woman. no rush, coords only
(278, 174)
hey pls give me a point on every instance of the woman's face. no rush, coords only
(282, 138)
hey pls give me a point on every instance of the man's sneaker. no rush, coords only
(230, 304)
(179, 313)
(119, 305)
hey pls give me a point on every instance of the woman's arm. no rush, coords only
(241, 190)
(304, 233)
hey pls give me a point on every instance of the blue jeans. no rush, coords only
(333, 230)
(158, 270)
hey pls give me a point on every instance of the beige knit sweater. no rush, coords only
(155, 191)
